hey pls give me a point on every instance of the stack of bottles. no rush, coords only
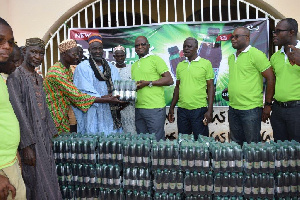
(168, 179)
(126, 89)
(137, 180)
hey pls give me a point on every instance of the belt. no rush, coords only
(288, 104)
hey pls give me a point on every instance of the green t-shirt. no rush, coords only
(193, 76)
(245, 87)
(9, 129)
(149, 68)
(287, 86)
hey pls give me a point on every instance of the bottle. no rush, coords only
(188, 184)
(161, 156)
(279, 185)
(270, 187)
(239, 184)
(79, 151)
(172, 179)
(126, 155)
(279, 157)
(190, 158)
(168, 157)
(73, 152)
(127, 90)
(154, 156)
(126, 179)
(101, 146)
(98, 176)
(263, 184)
(231, 161)
(247, 187)
(68, 174)
(232, 184)
(197, 158)
(264, 160)
(146, 154)
(225, 184)
(201, 182)
(292, 158)
(254, 185)
(113, 153)
(91, 152)
(238, 156)
(133, 179)
(60, 174)
(206, 160)
(218, 185)
(122, 90)
(116, 88)
(285, 159)
(293, 184)
(175, 157)
(217, 160)
(158, 181)
(80, 174)
(119, 152)
(256, 161)
(271, 156)
(132, 157)
(183, 157)
(85, 151)
(286, 184)
(179, 183)
(209, 183)
(147, 180)
(165, 180)
(138, 153)
(116, 177)
(224, 161)
(133, 91)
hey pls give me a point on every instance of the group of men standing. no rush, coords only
(33, 110)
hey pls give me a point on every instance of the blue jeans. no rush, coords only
(191, 121)
(151, 121)
(245, 125)
(285, 123)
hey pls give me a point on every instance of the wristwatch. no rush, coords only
(150, 84)
(268, 103)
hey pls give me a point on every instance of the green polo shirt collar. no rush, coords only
(282, 50)
(245, 50)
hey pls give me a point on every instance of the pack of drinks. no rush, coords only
(75, 149)
(126, 89)
(259, 186)
(85, 192)
(288, 185)
(228, 184)
(136, 153)
(194, 156)
(168, 196)
(287, 156)
(168, 181)
(107, 176)
(226, 157)
(137, 179)
(137, 195)
(165, 155)
(198, 184)
(110, 151)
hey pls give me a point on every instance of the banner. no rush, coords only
(166, 41)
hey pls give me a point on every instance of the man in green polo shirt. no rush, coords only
(195, 76)
(286, 109)
(11, 181)
(150, 73)
(247, 67)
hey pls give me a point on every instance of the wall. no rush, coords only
(31, 18)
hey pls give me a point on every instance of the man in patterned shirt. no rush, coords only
(61, 92)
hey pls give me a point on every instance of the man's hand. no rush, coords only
(171, 117)
(28, 156)
(294, 55)
(141, 84)
(266, 113)
(208, 116)
(106, 96)
(5, 187)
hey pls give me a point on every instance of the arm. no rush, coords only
(171, 117)
(270, 77)
(165, 80)
(294, 56)
(5, 186)
(211, 95)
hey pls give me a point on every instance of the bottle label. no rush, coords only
(277, 163)
(202, 188)
(279, 190)
(80, 179)
(195, 188)
(133, 182)
(154, 162)
(101, 155)
(98, 180)
(224, 189)
(239, 190)
(198, 163)
(298, 162)
(239, 163)
(75, 178)
(104, 181)
(92, 156)
(247, 190)
(165, 186)
(210, 188)
(256, 165)
(184, 163)
(139, 183)
(217, 189)
(293, 163)
(217, 164)
(263, 190)
(146, 160)
(73, 156)
(179, 186)
(92, 180)
(172, 186)
(147, 183)
(285, 163)
(132, 160)
(126, 182)
(158, 186)
(270, 190)
(139, 160)
(117, 181)
(119, 156)
(286, 189)
(293, 189)
(61, 155)
(231, 164)
(85, 156)
(205, 163)
(187, 188)
(231, 189)
(161, 162)
(264, 165)
(191, 163)
(69, 178)
(125, 159)
(113, 156)
(271, 165)
(168, 162)
(86, 179)
(176, 162)
(255, 190)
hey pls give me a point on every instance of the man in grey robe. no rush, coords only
(27, 97)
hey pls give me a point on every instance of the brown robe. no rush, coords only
(37, 128)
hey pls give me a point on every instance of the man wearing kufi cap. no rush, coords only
(61, 92)
(95, 77)
(25, 87)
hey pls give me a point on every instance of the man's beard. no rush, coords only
(3, 67)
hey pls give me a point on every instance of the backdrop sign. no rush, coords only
(166, 41)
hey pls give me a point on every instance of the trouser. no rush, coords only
(151, 121)
(285, 122)
(191, 121)
(245, 125)
(13, 173)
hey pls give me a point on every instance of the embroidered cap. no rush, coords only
(66, 45)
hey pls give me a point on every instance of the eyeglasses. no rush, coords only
(141, 44)
(277, 31)
(237, 36)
